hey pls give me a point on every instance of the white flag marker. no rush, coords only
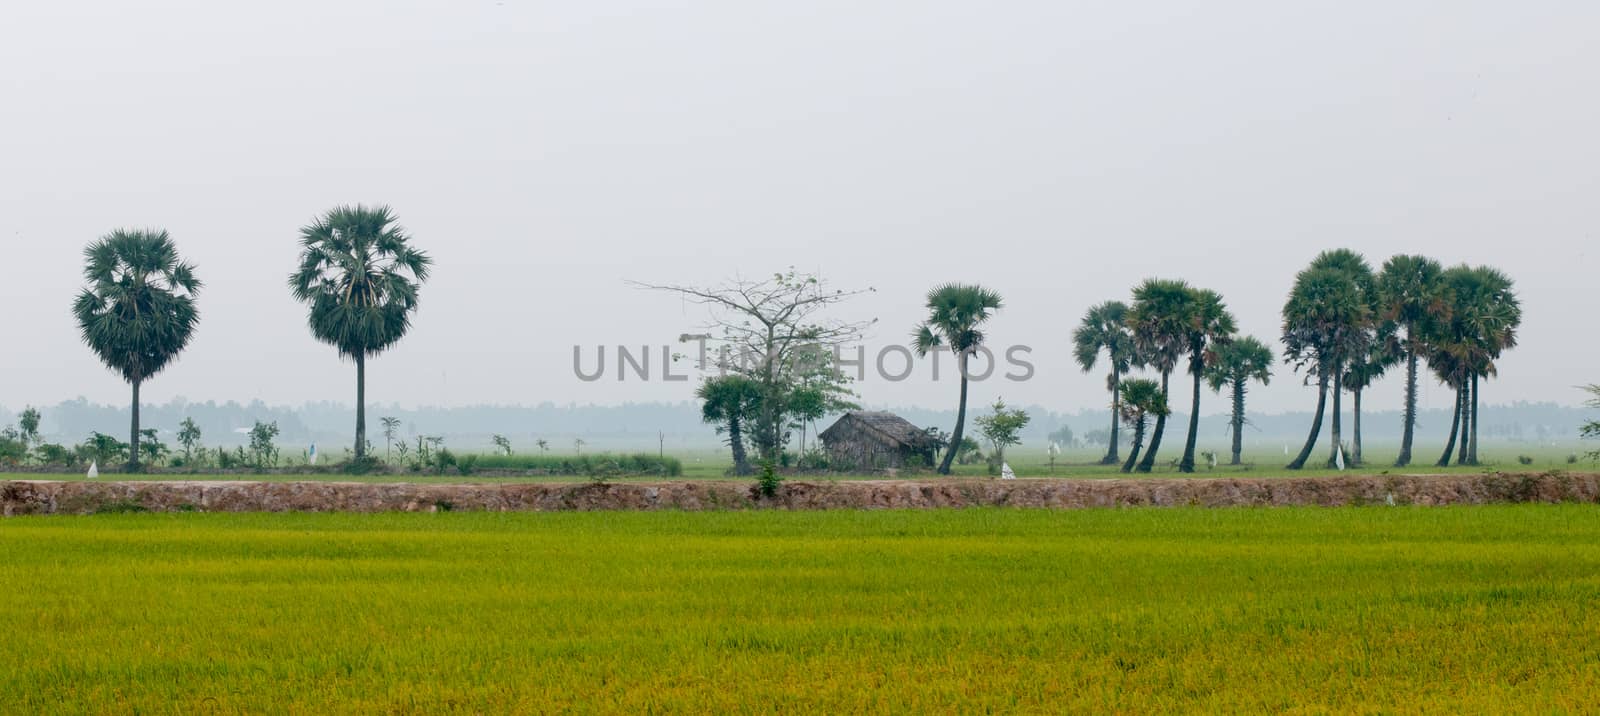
(1006, 473)
(94, 470)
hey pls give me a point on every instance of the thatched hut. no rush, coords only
(873, 440)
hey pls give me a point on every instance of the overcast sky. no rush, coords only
(544, 153)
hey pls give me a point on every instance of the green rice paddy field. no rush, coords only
(1463, 609)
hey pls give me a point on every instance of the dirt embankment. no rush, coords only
(24, 497)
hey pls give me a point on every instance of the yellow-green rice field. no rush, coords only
(1464, 609)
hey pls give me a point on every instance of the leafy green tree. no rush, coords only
(544, 445)
(1141, 398)
(138, 311)
(1104, 328)
(28, 424)
(1209, 325)
(13, 449)
(729, 401)
(1326, 320)
(263, 445)
(1160, 319)
(1238, 363)
(188, 437)
(503, 444)
(103, 449)
(1002, 428)
(956, 314)
(151, 449)
(1413, 295)
(360, 278)
(820, 390)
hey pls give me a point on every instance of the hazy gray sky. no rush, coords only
(546, 152)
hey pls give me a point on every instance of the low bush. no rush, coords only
(601, 465)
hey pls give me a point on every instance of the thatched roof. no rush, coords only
(892, 428)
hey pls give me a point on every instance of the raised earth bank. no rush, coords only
(25, 497)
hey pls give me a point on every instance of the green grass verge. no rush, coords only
(1480, 609)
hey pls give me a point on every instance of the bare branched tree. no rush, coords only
(771, 330)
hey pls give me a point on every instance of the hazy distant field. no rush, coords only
(1479, 610)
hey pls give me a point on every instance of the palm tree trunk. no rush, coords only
(1472, 447)
(1116, 410)
(1149, 460)
(1238, 419)
(133, 436)
(1337, 434)
(961, 422)
(1466, 421)
(361, 406)
(1411, 406)
(1187, 463)
(1138, 442)
(1316, 424)
(1455, 422)
(741, 461)
(1355, 455)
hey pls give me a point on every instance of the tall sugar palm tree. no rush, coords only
(728, 401)
(1209, 325)
(1323, 324)
(1354, 266)
(956, 313)
(1140, 398)
(1159, 320)
(1104, 328)
(360, 278)
(1485, 318)
(1382, 351)
(1413, 295)
(1238, 362)
(138, 311)
(1446, 358)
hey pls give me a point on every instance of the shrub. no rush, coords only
(1524, 459)
(53, 454)
(769, 479)
(443, 459)
(1572, 459)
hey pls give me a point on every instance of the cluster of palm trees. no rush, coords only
(358, 275)
(1344, 326)
(1168, 324)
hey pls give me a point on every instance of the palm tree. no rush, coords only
(1238, 362)
(1364, 368)
(1484, 321)
(360, 277)
(1413, 295)
(1104, 328)
(391, 427)
(1140, 398)
(729, 401)
(955, 313)
(1324, 322)
(1446, 359)
(1159, 320)
(138, 311)
(1209, 326)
